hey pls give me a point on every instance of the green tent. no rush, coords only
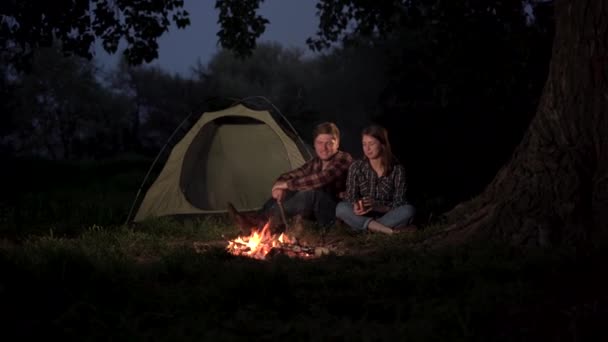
(233, 155)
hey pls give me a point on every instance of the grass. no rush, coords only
(107, 281)
(130, 284)
(66, 197)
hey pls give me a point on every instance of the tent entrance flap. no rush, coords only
(232, 159)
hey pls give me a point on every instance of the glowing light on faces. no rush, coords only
(372, 148)
(326, 145)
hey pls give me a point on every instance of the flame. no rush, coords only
(258, 244)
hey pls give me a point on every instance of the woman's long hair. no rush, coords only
(381, 134)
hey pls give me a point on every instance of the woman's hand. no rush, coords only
(368, 203)
(360, 208)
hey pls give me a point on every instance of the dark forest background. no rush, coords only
(456, 93)
(456, 83)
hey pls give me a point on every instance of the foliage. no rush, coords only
(30, 24)
(61, 109)
(463, 87)
(341, 19)
(159, 102)
(342, 86)
(58, 104)
(40, 196)
(456, 83)
(240, 26)
(345, 85)
(282, 76)
(8, 115)
(271, 70)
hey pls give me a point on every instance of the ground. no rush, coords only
(150, 281)
(72, 270)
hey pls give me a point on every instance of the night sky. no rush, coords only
(291, 22)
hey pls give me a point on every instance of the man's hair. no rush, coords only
(326, 128)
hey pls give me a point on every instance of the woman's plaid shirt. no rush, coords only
(387, 190)
(312, 176)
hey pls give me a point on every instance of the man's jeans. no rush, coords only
(315, 204)
(396, 217)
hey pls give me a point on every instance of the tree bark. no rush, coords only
(555, 187)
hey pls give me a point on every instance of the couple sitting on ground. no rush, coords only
(367, 194)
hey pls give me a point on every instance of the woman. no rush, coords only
(375, 188)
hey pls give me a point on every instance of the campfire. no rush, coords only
(262, 244)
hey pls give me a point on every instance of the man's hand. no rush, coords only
(279, 190)
(280, 185)
(278, 194)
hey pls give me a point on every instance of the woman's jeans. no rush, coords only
(395, 217)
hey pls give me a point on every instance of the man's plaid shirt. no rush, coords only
(387, 190)
(312, 176)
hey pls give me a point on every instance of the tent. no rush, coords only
(232, 155)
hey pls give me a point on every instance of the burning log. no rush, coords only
(263, 244)
(299, 251)
(291, 250)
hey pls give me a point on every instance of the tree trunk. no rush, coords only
(555, 187)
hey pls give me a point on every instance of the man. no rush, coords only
(310, 191)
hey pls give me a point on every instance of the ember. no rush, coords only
(262, 244)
